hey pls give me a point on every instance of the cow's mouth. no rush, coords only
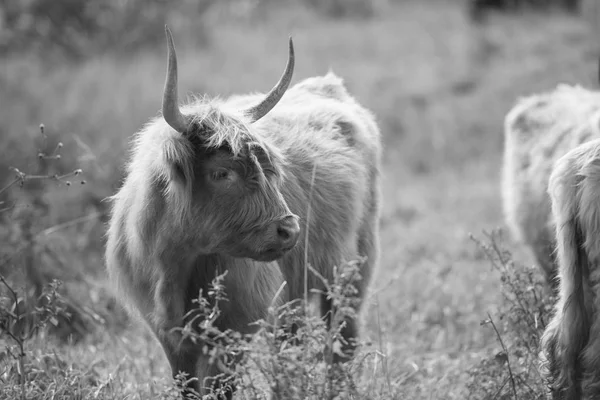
(273, 253)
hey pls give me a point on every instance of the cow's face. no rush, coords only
(238, 205)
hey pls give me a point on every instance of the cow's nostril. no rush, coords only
(283, 233)
(287, 231)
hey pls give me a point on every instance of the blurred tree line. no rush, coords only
(80, 28)
(479, 8)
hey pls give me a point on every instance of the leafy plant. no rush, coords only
(512, 373)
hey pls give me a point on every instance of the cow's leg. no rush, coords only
(590, 361)
(349, 331)
(183, 355)
(168, 314)
(550, 353)
(187, 357)
(591, 364)
(182, 359)
(212, 379)
(368, 247)
(250, 287)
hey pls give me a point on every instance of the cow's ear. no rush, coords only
(177, 172)
(176, 156)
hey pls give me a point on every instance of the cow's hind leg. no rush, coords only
(591, 365)
(368, 249)
(590, 359)
(556, 372)
(349, 332)
(550, 356)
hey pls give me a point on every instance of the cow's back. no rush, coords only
(538, 131)
(319, 126)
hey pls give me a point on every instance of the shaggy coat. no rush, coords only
(571, 343)
(538, 131)
(172, 229)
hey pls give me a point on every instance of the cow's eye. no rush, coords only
(220, 174)
(269, 172)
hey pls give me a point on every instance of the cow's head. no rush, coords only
(229, 176)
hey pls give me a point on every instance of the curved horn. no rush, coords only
(261, 109)
(170, 106)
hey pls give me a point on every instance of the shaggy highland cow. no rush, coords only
(225, 185)
(571, 343)
(538, 131)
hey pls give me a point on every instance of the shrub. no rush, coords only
(512, 373)
(29, 259)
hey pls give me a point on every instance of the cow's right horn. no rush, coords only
(170, 106)
(261, 109)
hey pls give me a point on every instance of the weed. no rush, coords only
(513, 372)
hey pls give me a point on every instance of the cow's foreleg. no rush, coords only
(182, 359)
(214, 378)
(203, 376)
(167, 320)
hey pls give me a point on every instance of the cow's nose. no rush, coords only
(288, 231)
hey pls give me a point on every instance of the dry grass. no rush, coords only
(441, 115)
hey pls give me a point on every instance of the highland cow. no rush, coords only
(571, 343)
(538, 131)
(226, 185)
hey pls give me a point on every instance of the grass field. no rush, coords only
(440, 110)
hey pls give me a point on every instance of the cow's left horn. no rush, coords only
(170, 106)
(260, 110)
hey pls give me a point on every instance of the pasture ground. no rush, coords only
(440, 109)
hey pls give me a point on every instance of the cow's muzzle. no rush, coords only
(283, 235)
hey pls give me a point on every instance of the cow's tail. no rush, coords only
(567, 333)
